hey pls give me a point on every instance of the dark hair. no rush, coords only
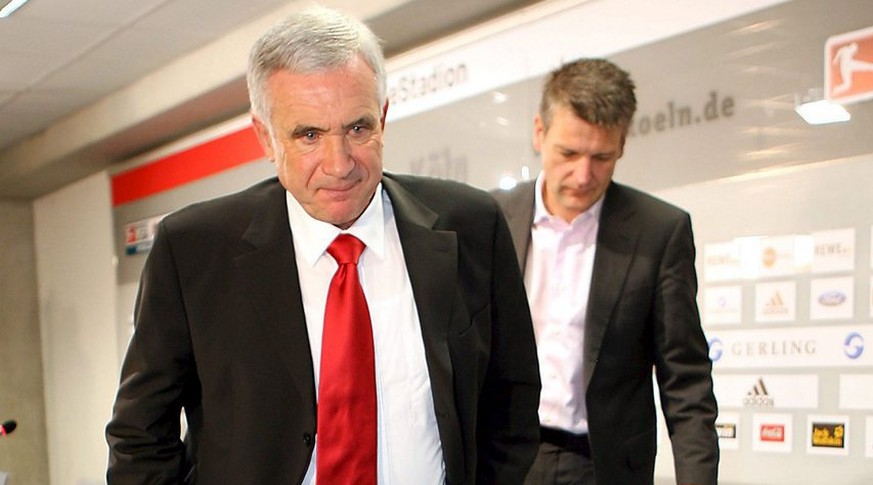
(597, 91)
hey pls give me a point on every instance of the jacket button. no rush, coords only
(307, 440)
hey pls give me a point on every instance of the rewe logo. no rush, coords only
(758, 396)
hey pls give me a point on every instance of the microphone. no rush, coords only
(8, 427)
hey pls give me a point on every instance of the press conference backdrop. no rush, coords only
(780, 207)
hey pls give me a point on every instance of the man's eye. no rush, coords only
(359, 131)
(308, 137)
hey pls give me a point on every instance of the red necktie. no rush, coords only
(346, 435)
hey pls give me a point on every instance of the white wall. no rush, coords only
(76, 284)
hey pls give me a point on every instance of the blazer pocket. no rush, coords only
(472, 343)
(478, 319)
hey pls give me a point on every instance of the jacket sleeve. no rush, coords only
(508, 429)
(682, 364)
(144, 432)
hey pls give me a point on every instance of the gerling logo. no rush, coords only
(715, 349)
(853, 346)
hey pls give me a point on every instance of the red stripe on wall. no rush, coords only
(187, 166)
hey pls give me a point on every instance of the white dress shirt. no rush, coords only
(558, 280)
(409, 449)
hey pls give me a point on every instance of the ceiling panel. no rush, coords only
(98, 12)
(201, 16)
(58, 57)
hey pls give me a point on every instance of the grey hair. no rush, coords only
(312, 40)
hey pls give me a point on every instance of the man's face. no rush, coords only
(325, 137)
(578, 161)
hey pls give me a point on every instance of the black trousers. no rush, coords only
(563, 459)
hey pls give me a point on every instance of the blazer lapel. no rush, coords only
(269, 274)
(616, 241)
(519, 213)
(431, 258)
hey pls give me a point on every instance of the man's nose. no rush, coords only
(582, 170)
(337, 160)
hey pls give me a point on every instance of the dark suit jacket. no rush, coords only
(642, 312)
(220, 331)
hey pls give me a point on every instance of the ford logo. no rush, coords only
(832, 298)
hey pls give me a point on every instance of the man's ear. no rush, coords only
(621, 147)
(539, 133)
(384, 114)
(263, 133)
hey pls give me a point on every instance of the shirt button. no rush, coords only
(307, 440)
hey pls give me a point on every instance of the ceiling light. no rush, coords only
(11, 7)
(822, 112)
(498, 97)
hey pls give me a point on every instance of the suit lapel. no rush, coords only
(616, 241)
(431, 258)
(519, 213)
(269, 274)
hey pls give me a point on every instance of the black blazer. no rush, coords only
(642, 312)
(220, 331)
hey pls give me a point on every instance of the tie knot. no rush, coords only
(346, 249)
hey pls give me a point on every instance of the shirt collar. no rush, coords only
(541, 214)
(369, 228)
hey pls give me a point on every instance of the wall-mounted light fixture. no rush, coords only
(11, 7)
(816, 110)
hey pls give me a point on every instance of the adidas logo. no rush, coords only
(758, 396)
(775, 305)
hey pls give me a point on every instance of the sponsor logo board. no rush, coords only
(856, 391)
(766, 391)
(827, 435)
(776, 301)
(721, 261)
(868, 442)
(727, 426)
(723, 305)
(831, 298)
(772, 433)
(833, 250)
(803, 347)
(783, 255)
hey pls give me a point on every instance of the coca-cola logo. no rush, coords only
(773, 432)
